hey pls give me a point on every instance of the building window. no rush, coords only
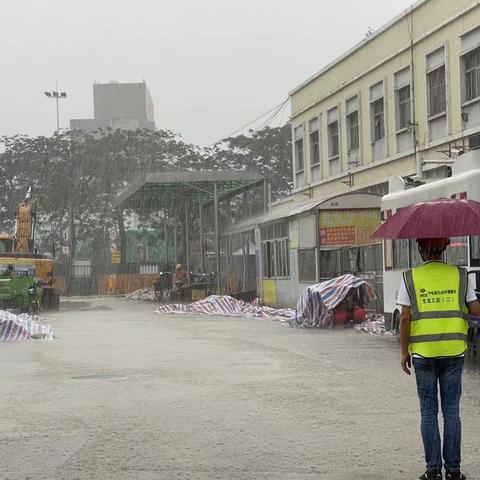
(299, 162)
(370, 258)
(353, 133)
(415, 257)
(474, 142)
(275, 251)
(472, 74)
(436, 95)
(400, 253)
(333, 142)
(267, 260)
(282, 258)
(352, 126)
(377, 112)
(334, 262)
(307, 261)
(333, 139)
(334, 161)
(437, 99)
(378, 119)
(457, 251)
(314, 142)
(475, 252)
(404, 108)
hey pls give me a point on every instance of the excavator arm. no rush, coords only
(25, 223)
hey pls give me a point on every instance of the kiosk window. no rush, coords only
(307, 265)
(457, 251)
(415, 258)
(400, 253)
(475, 251)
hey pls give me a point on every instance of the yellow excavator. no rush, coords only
(27, 279)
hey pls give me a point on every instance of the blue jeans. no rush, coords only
(446, 372)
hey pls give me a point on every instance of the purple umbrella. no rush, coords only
(433, 219)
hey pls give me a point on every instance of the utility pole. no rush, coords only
(418, 159)
(56, 95)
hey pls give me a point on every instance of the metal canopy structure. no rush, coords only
(159, 190)
(185, 189)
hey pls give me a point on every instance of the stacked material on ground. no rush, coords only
(23, 327)
(317, 303)
(227, 306)
(145, 294)
(374, 325)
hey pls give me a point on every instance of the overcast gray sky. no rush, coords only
(210, 65)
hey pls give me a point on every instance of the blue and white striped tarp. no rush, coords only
(227, 306)
(21, 328)
(315, 306)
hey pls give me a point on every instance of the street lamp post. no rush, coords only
(57, 96)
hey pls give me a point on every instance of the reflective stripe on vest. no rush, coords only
(439, 312)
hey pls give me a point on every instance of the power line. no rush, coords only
(283, 113)
(243, 127)
(275, 114)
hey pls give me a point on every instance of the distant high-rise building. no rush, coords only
(125, 106)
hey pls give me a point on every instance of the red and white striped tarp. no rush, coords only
(23, 327)
(227, 306)
(315, 306)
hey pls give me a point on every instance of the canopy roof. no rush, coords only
(292, 207)
(161, 190)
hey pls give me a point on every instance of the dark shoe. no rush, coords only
(431, 476)
(455, 476)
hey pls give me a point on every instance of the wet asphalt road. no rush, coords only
(124, 393)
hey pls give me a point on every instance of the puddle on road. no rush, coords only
(69, 305)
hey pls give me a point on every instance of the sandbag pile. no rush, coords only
(23, 327)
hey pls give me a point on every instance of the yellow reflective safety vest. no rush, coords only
(439, 323)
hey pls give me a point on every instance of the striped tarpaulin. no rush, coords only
(20, 328)
(315, 306)
(335, 290)
(227, 306)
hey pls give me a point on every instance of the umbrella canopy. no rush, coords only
(440, 218)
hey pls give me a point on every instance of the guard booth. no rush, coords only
(301, 243)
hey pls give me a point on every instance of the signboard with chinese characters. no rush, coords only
(344, 235)
(116, 257)
(347, 227)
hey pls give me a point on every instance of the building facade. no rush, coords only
(401, 103)
(125, 106)
(404, 96)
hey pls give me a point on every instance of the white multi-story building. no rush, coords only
(400, 102)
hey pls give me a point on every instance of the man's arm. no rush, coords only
(474, 308)
(405, 318)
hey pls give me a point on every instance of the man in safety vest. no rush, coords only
(436, 298)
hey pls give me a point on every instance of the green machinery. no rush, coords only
(27, 279)
(19, 290)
